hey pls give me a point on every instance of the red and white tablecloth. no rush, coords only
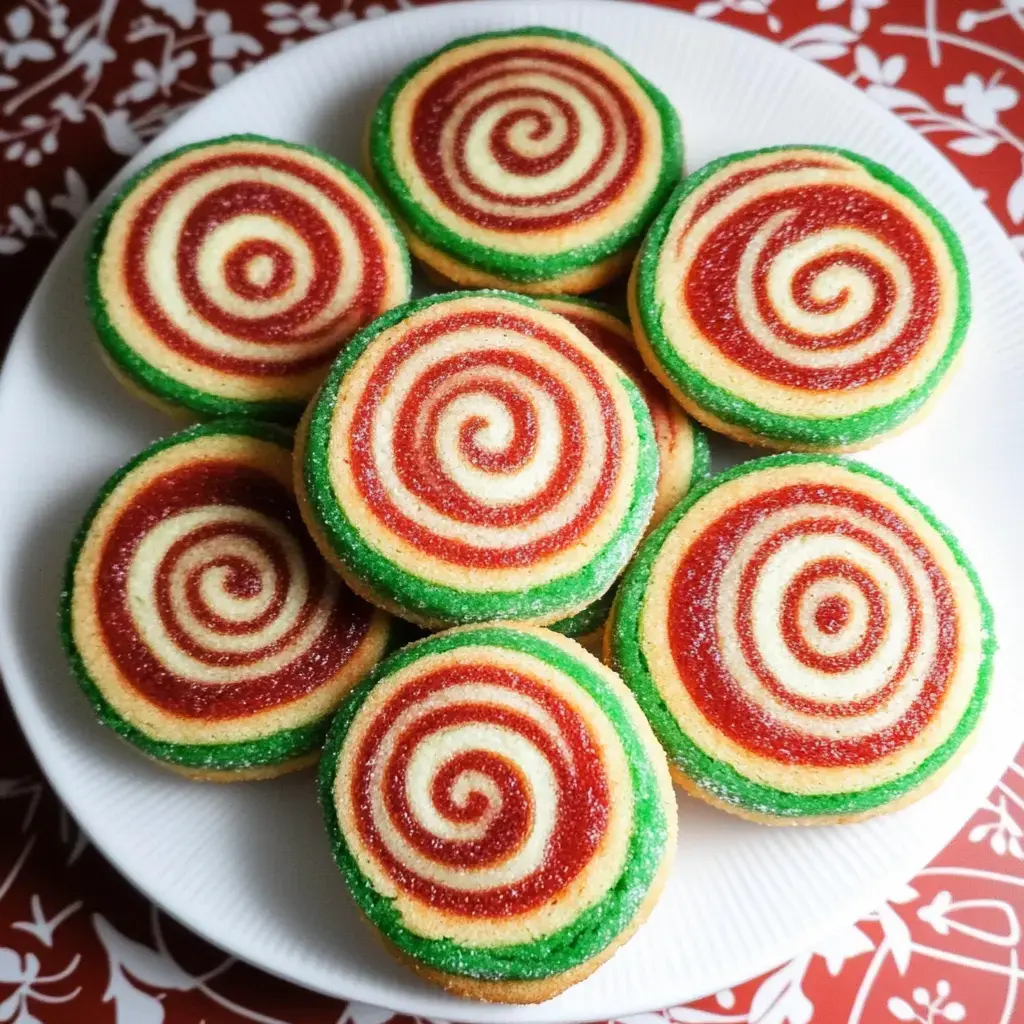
(84, 84)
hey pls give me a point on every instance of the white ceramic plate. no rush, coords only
(248, 866)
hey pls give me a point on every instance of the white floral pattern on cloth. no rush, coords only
(85, 84)
(82, 86)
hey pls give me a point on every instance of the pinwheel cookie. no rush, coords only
(683, 455)
(532, 159)
(476, 457)
(225, 276)
(200, 619)
(800, 298)
(500, 810)
(807, 641)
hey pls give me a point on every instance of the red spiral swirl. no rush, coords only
(234, 185)
(497, 799)
(458, 395)
(222, 548)
(822, 592)
(537, 97)
(841, 232)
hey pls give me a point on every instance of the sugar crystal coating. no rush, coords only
(683, 455)
(806, 640)
(497, 804)
(525, 154)
(226, 275)
(200, 617)
(475, 457)
(800, 297)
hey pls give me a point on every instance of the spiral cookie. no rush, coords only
(532, 159)
(475, 458)
(683, 455)
(224, 277)
(807, 641)
(200, 619)
(500, 810)
(800, 298)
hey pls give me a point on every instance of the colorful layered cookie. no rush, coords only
(683, 455)
(532, 160)
(225, 276)
(475, 457)
(500, 810)
(808, 642)
(199, 618)
(801, 298)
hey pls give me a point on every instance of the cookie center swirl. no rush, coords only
(826, 286)
(533, 141)
(213, 602)
(479, 453)
(225, 574)
(480, 791)
(487, 440)
(527, 138)
(850, 663)
(832, 614)
(258, 269)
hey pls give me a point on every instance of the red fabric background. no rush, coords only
(83, 85)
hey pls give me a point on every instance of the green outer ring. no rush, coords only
(145, 375)
(619, 312)
(275, 748)
(594, 616)
(520, 267)
(596, 613)
(824, 431)
(720, 779)
(434, 600)
(588, 619)
(599, 924)
(701, 457)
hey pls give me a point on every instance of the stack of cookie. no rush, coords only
(480, 478)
